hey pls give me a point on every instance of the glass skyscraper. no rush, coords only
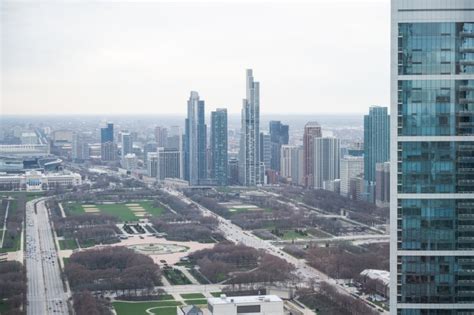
(432, 157)
(279, 135)
(219, 146)
(250, 170)
(195, 143)
(376, 140)
(107, 144)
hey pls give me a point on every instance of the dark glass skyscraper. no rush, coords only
(376, 140)
(432, 158)
(195, 142)
(219, 167)
(107, 144)
(279, 135)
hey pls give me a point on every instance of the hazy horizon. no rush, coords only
(111, 57)
(126, 57)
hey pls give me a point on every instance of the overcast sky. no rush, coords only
(326, 56)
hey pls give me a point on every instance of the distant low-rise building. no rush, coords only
(37, 181)
(380, 278)
(258, 304)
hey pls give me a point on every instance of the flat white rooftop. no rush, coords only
(244, 299)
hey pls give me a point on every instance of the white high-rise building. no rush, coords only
(351, 166)
(127, 143)
(326, 161)
(130, 162)
(250, 170)
(432, 157)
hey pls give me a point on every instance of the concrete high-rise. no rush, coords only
(169, 163)
(291, 161)
(265, 150)
(107, 144)
(152, 164)
(432, 158)
(351, 167)
(326, 161)
(376, 140)
(382, 184)
(79, 148)
(219, 158)
(127, 143)
(195, 142)
(311, 130)
(250, 170)
(161, 136)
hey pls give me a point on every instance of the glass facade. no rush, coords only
(432, 212)
(435, 167)
(219, 146)
(440, 224)
(435, 48)
(436, 108)
(376, 140)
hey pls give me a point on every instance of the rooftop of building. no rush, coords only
(375, 274)
(244, 299)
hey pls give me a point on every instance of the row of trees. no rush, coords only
(13, 287)
(86, 304)
(111, 268)
(86, 228)
(241, 264)
(362, 211)
(346, 261)
(328, 301)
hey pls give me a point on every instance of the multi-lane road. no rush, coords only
(46, 293)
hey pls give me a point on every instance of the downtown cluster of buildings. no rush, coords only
(200, 156)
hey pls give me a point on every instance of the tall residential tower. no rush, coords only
(376, 140)
(195, 160)
(219, 159)
(432, 157)
(311, 130)
(250, 170)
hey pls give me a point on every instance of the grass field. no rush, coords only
(16, 244)
(67, 244)
(121, 210)
(216, 294)
(290, 235)
(139, 308)
(189, 296)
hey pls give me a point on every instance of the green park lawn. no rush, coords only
(67, 244)
(118, 209)
(291, 235)
(139, 308)
(216, 294)
(190, 296)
